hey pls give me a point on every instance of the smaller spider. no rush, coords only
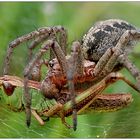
(107, 44)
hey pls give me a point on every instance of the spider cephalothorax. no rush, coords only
(104, 47)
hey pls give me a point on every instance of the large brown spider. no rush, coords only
(106, 44)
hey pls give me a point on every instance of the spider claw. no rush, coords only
(28, 117)
(28, 123)
(74, 120)
(74, 126)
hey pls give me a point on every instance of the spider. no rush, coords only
(107, 44)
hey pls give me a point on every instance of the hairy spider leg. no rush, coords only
(113, 55)
(19, 40)
(129, 35)
(60, 35)
(132, 68)
(59, 54)
(76, 50)
(102, 62)
(38, 35)
(27, 96)
(56, 30)
(69, 69)
(63, 63)
(75, 67)
(36, 71)
(62, 38)
(35, 43)
(72, 67)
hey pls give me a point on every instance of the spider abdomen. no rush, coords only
(103, 35)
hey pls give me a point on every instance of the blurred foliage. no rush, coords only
(18, 18)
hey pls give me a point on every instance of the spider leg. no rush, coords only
(132, 68)
(75, 63)
(120, 48)
(38, 35)
(102, 61)
(70, 70)
(73, 96)
(35, 43)
(36, 73)
(61, 39)
(76, 50)
(36, 70)
(63, 63)
(75, 66)
(19, 40)
(60, 56)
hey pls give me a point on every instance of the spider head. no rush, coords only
(54, 65)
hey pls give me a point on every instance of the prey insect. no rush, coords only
(104, 50)
(86, 101)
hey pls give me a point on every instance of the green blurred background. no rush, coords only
(18, 18)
